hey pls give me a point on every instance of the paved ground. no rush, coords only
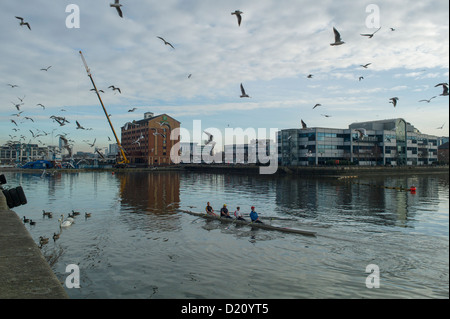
(24, 273)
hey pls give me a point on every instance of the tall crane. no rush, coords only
(123, 158)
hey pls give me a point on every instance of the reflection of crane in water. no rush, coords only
(124, 160)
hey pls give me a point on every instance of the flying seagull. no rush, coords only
(304, 124)
(440, 127)
(394, 100)
(392, 29)
(366, 65)
(117, 5)
(41, 105)
(309, 76)
(361, 132)
(238, 16)
(210, 142)
(155, 133)
(114, 88)
(165, 42)
(13, 85)
(243, 92)
(428, 101)
(101, 155)
(326, 115)
(370, 35)
(317, 105)
(361, 78)
(12, 121)
(337, 38)
(46, 69)
(17, 105)
(445, 87)
(98, 90)
(91, 144)
(132, 110)
(23, 23)
(79, 127)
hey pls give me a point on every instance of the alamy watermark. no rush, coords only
(373, 280)
(373, 19)
(250, 145)
(73, 19)
(73, 279)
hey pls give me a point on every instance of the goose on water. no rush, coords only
(55, 236)
(43, 240)
(48, 214)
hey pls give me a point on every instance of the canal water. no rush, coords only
(136, 244)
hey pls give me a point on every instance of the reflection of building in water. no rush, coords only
(150, 191)
(365, 201)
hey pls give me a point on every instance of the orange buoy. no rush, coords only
(412, 189)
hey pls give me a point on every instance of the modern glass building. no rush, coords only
(385, 142)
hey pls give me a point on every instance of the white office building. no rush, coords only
(385, 142)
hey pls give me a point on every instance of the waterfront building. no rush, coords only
(257, 151)
(443, 153)
(384, 142)
(113, 149)
(20, 153)
(147, 141)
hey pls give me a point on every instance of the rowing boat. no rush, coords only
(251, 224)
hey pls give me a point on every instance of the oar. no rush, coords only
(206, 214)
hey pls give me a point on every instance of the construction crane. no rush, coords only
(123, 160)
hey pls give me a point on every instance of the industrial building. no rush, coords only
(147, 142)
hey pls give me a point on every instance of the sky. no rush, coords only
(277, 45)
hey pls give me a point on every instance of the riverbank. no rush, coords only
(24, 272)
(254, 169)
(323, 170)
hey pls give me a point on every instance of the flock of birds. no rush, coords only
(393, 100)
(337, 41)
(61, 120)
(62, 222)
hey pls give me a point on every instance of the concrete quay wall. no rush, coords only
(24, 272)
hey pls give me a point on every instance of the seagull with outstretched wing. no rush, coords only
(117, 5)
(337, 38)
(238, 13)
(166, 43)
(370, 35)
(243, 94)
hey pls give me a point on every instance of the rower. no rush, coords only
(224, 212)
(254, 216)
(209, 210)
(238, 214)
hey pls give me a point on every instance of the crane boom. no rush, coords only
(124, 159)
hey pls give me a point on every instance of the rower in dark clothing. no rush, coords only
(224, 212)
(209, 210)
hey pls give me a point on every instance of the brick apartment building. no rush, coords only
(147, 142)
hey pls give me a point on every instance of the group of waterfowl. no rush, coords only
(63, 223)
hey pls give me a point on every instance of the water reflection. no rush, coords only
(136, 244)
(152, 192)
(152, 198)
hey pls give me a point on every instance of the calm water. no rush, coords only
(136, 245)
